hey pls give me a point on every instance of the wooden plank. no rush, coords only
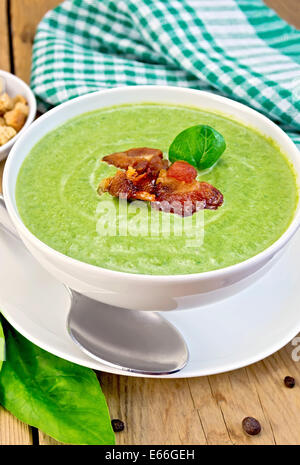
(45, 440)
(161, 411)
(280, 404)
(4, 37)
(155, 411)
(13, 431)
(209, 411)
(236, 398)
(289, 10)
(25, 16)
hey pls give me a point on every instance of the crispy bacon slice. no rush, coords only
(148, 177)
(184, 198)
(142, 159)
(128, 184)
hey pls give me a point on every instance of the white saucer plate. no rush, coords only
(225, 336)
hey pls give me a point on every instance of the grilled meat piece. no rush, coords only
(128, 185)
(148, 177)
(142, 159)
(184, 198)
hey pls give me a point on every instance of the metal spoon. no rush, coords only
(133, 341)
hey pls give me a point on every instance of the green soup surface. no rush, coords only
(57, 194)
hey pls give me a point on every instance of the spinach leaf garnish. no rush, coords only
(61, 398)
(199, 145)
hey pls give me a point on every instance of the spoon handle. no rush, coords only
(5, 221)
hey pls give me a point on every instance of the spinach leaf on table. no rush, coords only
(60, 398)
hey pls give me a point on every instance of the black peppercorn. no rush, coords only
(289, 381)
(117, 425)
(251, 426)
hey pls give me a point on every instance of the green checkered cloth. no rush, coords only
(237, 48)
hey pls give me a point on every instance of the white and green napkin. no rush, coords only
(238, 48)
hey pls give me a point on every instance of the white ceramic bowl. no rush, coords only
(15, 86)
(146, 292)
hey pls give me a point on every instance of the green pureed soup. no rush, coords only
(57, 194)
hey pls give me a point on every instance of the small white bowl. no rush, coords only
(15, 86)
(137, 291)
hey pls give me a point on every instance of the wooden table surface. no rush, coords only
(206, 410)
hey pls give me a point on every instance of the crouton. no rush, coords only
(6, 103)
(16, 118)
(19, 98)
(6, 134)
(2, 121)
(23, 107)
